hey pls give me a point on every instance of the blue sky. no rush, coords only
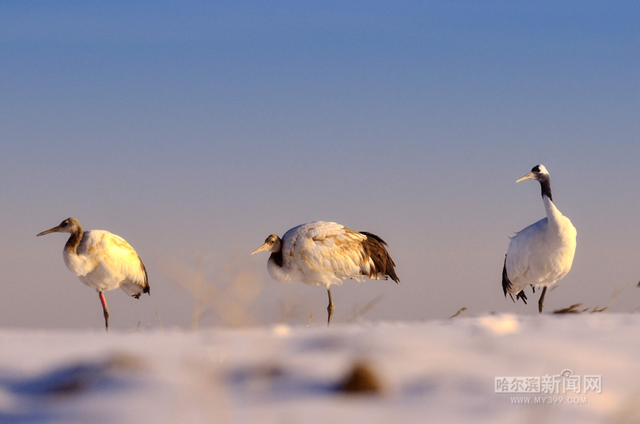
(196, 129)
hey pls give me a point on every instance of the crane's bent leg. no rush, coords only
(330, 308)
(541, 301)
(106, 310)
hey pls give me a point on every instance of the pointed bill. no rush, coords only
(264, 247)
(49, 231)
(529, 176)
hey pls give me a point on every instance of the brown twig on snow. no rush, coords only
(573, 309)
(464, 308)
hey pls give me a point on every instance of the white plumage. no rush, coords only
(325, 253)
(543, 252)
(103, 261)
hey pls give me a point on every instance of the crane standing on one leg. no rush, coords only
(325, 253)
(103, 261)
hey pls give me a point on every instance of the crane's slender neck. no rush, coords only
(545, 185)
(276, 257)
(74, 240)
(553, 214)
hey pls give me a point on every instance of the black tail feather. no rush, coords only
(522, 296)
(145, 287)
(374, 247)
(506, 283)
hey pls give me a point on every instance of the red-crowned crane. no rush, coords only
(103, 261)
(324, 253)
(542, 253)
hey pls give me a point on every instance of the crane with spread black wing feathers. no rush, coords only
(325, 253)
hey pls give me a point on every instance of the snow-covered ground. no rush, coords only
(437, 371)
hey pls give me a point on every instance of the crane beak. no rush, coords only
(529, 176)
(262, 248)
(49, 231)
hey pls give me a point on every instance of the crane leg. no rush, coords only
(541, 301)
(331, 307)
(106, 310)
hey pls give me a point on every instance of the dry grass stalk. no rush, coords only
(226, 288)
(291, 309)
(595, 309)
(359, 312)
(464, 308)
(159, 320)
(573, 309)
(624, 305)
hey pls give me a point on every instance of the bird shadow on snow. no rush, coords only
(47, 396)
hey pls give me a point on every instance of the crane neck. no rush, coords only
(545, 186)
(554, 216)
(74, 240)
(276, 257)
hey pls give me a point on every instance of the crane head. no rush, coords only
(538, 173)
(69, 225)
(272, 243)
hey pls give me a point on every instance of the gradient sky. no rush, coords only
(196, 129)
